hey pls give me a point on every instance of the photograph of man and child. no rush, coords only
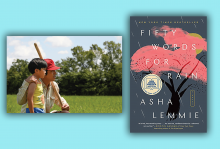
(95, 76)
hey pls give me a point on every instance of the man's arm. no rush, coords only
(21, 96)
(64, 103)
(22, 91)
(30, 95)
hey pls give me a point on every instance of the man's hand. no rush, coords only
(31, 79)
(65, 107)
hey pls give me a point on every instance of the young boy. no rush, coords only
(35, 96)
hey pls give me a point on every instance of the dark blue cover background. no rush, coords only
(143, 113)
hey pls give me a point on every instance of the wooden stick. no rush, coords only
(38, 51)
(54, 88)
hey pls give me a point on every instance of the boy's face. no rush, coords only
(41, 72)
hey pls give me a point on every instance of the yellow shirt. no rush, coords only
(38, 97)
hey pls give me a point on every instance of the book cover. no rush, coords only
(168, 74)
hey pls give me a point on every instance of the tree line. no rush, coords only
(95, 71)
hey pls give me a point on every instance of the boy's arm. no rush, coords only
(30, 94)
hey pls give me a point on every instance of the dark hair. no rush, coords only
(36, 63)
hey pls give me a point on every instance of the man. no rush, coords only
(49, 95)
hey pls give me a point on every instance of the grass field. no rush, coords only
(78, 104)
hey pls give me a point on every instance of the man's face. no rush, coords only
(51, 75)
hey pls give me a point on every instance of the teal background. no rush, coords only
(101, 18)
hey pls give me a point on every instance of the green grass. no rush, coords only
(78, 104)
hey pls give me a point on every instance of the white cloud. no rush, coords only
(24, 51)
(60, 41)
(9, 62)
(14, 43)
(118, 38)
(99, 61)
(63, 52)
(105, 51)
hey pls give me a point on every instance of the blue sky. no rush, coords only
(53, 47)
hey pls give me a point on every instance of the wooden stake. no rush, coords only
(54, 88)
